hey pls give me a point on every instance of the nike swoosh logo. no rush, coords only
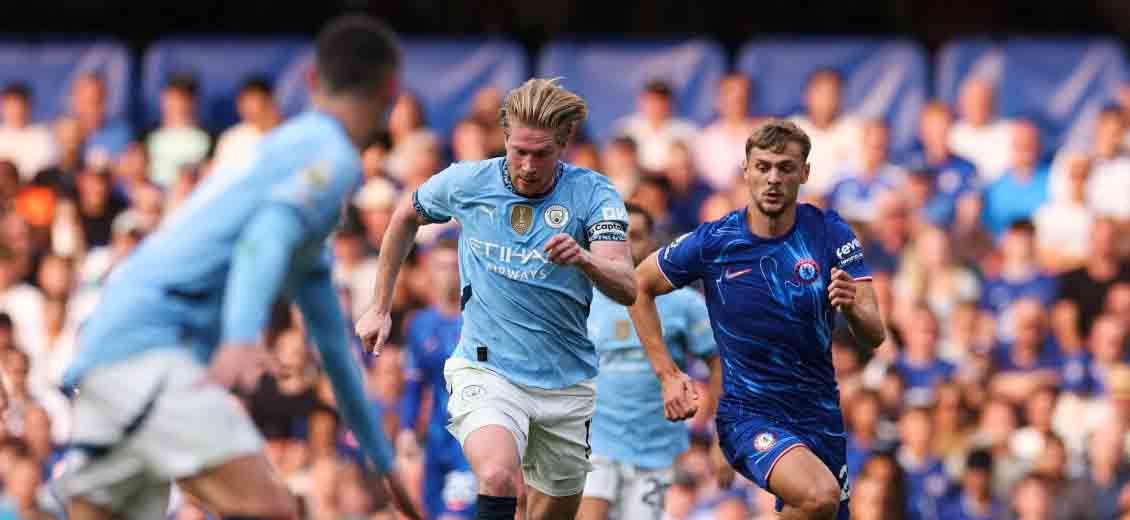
(734, 274)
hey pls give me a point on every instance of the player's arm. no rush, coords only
(608, 263)
(856, 300)
(679, 395)
(316, 297)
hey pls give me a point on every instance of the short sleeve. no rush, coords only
(435, 199)
(847, 252)
(699, 334)
(319, 190)
(608, 217)
(681, 261)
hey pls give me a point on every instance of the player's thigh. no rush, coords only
(556, 462)
(80, 508)
(489, 416)
(800, 478)
(754, 446)
(644, 494)
(602, 490)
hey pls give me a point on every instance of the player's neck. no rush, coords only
(770, 226)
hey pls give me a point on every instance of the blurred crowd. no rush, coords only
(1002, 391)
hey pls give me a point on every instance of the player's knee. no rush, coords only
(499, 480)
(822, 501)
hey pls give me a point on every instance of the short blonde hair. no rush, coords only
(542, 103)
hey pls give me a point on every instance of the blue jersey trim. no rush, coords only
(423, 213)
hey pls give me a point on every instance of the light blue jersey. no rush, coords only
(629, 426)
(524, 317)
(209, 275)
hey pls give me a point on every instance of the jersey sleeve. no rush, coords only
(319, 190)
(700, 337)
(847, 252)
(435, 200)
(607, 218)
(681, 261)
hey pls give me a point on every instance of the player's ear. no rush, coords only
(804, 171)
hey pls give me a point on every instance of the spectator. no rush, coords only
(179, 141)
(720, 148)
(375, 202)
(888, 235)
(1020, 276)
(131, 170)
(834, 135)
(19, 300)
(419, 159)
(23, 396)
(883, 470)
(469, 141)
(654, 196)
(97, 206)
(354, 267)
(103, 138)
(1029, 443)
(926, 481)
(975, 501)
(584, 154)
(406, 119)
(484, 109)
(688, 190)
(978, 135)
(21, 482)
(858, 188)
(1032, 500)
(1108, 472)
(9, 185)
(863, 428)
(1021, 189)
(30, 146)
(1028, 361)
(258, 114)
(929, 274)
(951, 177)
(919, 364)
(620, 159)
(654, 127)
(1063, 224)
(1083, 291)
(374, 159)
(1108, 187)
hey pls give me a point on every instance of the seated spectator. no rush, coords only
(928, 274)
(1019, 277)
(975, 500)
(1021, 189)
(374, 159)
(355, 268)
(484, 109)
(405, 119)
(688, 190)
(179, 140)
(978, 135)
(654, 196)
(102, 138)
(19, 300)
(1030, 360)
(835, 136)
(863, 430)
(469, 141)
(1029, 443)
(1083, 291)
(30, 146)
(1108, 186)
(375, 202)
(420, 158)
(97, 206)
(927, 484)
(620, 160)
(855, 194)
(654, 126)
(9, 185)
(1063, 224)
(720, 148)
(258, 114)
(1108, 472)
(919, 364)
(950, 176)
(889, 234)
(584, 154)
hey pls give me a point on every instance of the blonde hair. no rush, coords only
(542, 103)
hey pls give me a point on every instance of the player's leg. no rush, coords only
(645, 494)
(244, 486)
(82, 509)
(805, 485)
(602, 489)
(556, 463)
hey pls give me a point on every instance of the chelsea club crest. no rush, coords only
(807, 270)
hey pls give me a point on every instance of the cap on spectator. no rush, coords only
(979, 459)
(1118, 381)
(658, 86)
(128, 222)
(377, 194)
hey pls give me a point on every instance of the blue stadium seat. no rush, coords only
(882, 78)
(1060, 83)
(443, 73)
(49, 68)
(220, 65)
(610, 74)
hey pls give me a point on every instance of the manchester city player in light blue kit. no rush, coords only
(776, 274)
(633, 445)
(148, 382)
(537, 235)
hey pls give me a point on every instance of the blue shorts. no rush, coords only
(449, 485)
(753, 446)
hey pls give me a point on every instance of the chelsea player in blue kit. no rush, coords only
(775, 274)
(633, 446)
(449, 485)
(148, 383)
(537, 235)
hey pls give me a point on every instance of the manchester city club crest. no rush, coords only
(521, 217)
(764, 441)
(807, 270)
(556, 216)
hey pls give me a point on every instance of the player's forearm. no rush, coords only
(397, 242)
(259, 267)
(645, 317)
(614, 277)
(866, 325)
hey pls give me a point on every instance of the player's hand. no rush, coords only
(564, 250)
(400, 496)
(373, 328)
(841, 292)
(240, 365)
(723, 471)
(680, 399)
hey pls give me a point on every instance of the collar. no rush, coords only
(510, 186)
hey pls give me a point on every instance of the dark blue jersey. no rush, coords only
(769, 309)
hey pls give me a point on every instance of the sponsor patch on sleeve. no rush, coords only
(608, 230)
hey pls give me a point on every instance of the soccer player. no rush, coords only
(776, 275)
(449, 485)
(634, 447)
(148, 382)
(537, 235)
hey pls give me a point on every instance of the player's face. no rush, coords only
(639, 237)
(531, 159)
(774, 179)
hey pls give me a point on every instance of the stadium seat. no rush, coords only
(1060, 83)
(443, 73)
(610, 75)
(882, 78)
(220, 65)
(49, 68)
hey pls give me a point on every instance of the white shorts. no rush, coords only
(142, 423)
(632, 492)
(551, 427)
